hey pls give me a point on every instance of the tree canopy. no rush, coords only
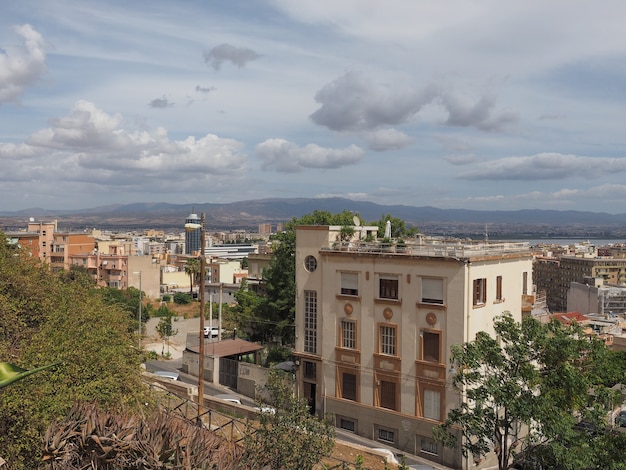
(50, 318)
(288, 436)
(264, 317)
(532, 395)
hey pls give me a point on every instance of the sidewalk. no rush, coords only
(177, 343)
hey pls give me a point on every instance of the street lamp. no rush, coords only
(139, 316)
(192, 227)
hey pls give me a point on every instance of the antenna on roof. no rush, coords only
(356, 220)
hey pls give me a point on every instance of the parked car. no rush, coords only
(212, 332)
(620, 420)
(166, 374)
(230, 398)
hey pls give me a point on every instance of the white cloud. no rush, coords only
(461, 159)
(238, 56)
(354, 103)
(284, 156)
(21, 66)
(91, 145)
(387, 139)
(162, 102)
(545, 166)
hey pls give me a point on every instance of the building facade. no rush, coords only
(375, 323)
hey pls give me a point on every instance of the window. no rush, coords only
(387, 340)
(310, 263)
(310, 321)
(499, 297)
(432, 291)
(429, 446)
(388, 394)
(348, 386)
(525, 283)
(386, 435)
(349, 284)
(388, 288)
(480, 291)
(310, 370)
(348, 334)
(430, 346)
(432, 404)
(347, 424)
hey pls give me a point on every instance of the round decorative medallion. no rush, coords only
(348, 309)
(388, 313)
(431, 318)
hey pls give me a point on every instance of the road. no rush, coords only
(175, 365)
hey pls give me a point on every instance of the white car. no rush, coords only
(212, 332)
(229, 398)
(166, 374)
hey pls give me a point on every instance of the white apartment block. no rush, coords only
(375, 323)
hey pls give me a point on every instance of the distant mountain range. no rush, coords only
(248, 214)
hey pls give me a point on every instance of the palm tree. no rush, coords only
(192, 268)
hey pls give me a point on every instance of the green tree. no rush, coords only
(524, 393)
(288, 437)
(128, 300)
(398, 227)
(164, 327)
(192, 268)
(276, 310)
(45, 318)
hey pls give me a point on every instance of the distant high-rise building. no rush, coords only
(265, 229)
(192, 237)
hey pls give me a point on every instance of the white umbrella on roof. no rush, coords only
(388, 229)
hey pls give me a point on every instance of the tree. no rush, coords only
(192, 268)
(398, 227)
(525, 392)
(127, 299)
(164, 327)
(276, 309)
(287, 436)
(46, 318)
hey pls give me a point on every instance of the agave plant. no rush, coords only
(10, 373)
(92, 438)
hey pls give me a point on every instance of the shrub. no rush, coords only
(182, 298)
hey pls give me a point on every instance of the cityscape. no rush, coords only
(278, 235)
(353, 278)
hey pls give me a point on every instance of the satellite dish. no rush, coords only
(32, 219)
(356, 220)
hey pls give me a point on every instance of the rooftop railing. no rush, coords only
(433, 249)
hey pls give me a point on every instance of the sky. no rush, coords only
(462, 104)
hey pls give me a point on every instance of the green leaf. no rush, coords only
(10, 373)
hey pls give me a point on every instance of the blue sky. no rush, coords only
(486, 105)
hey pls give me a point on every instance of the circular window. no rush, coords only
(310, 263)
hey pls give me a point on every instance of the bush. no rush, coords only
(166, 297)
(182, 298)
(276, 355)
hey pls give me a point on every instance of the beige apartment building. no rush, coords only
(375, 323)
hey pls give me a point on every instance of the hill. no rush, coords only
(247, 215)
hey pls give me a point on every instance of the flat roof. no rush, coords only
(226, 347)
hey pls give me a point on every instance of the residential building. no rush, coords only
(265, 229)
(65, 245)
(375, 323)
(576, 269)
(593, 296)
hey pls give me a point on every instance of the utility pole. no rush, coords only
(201, 335)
